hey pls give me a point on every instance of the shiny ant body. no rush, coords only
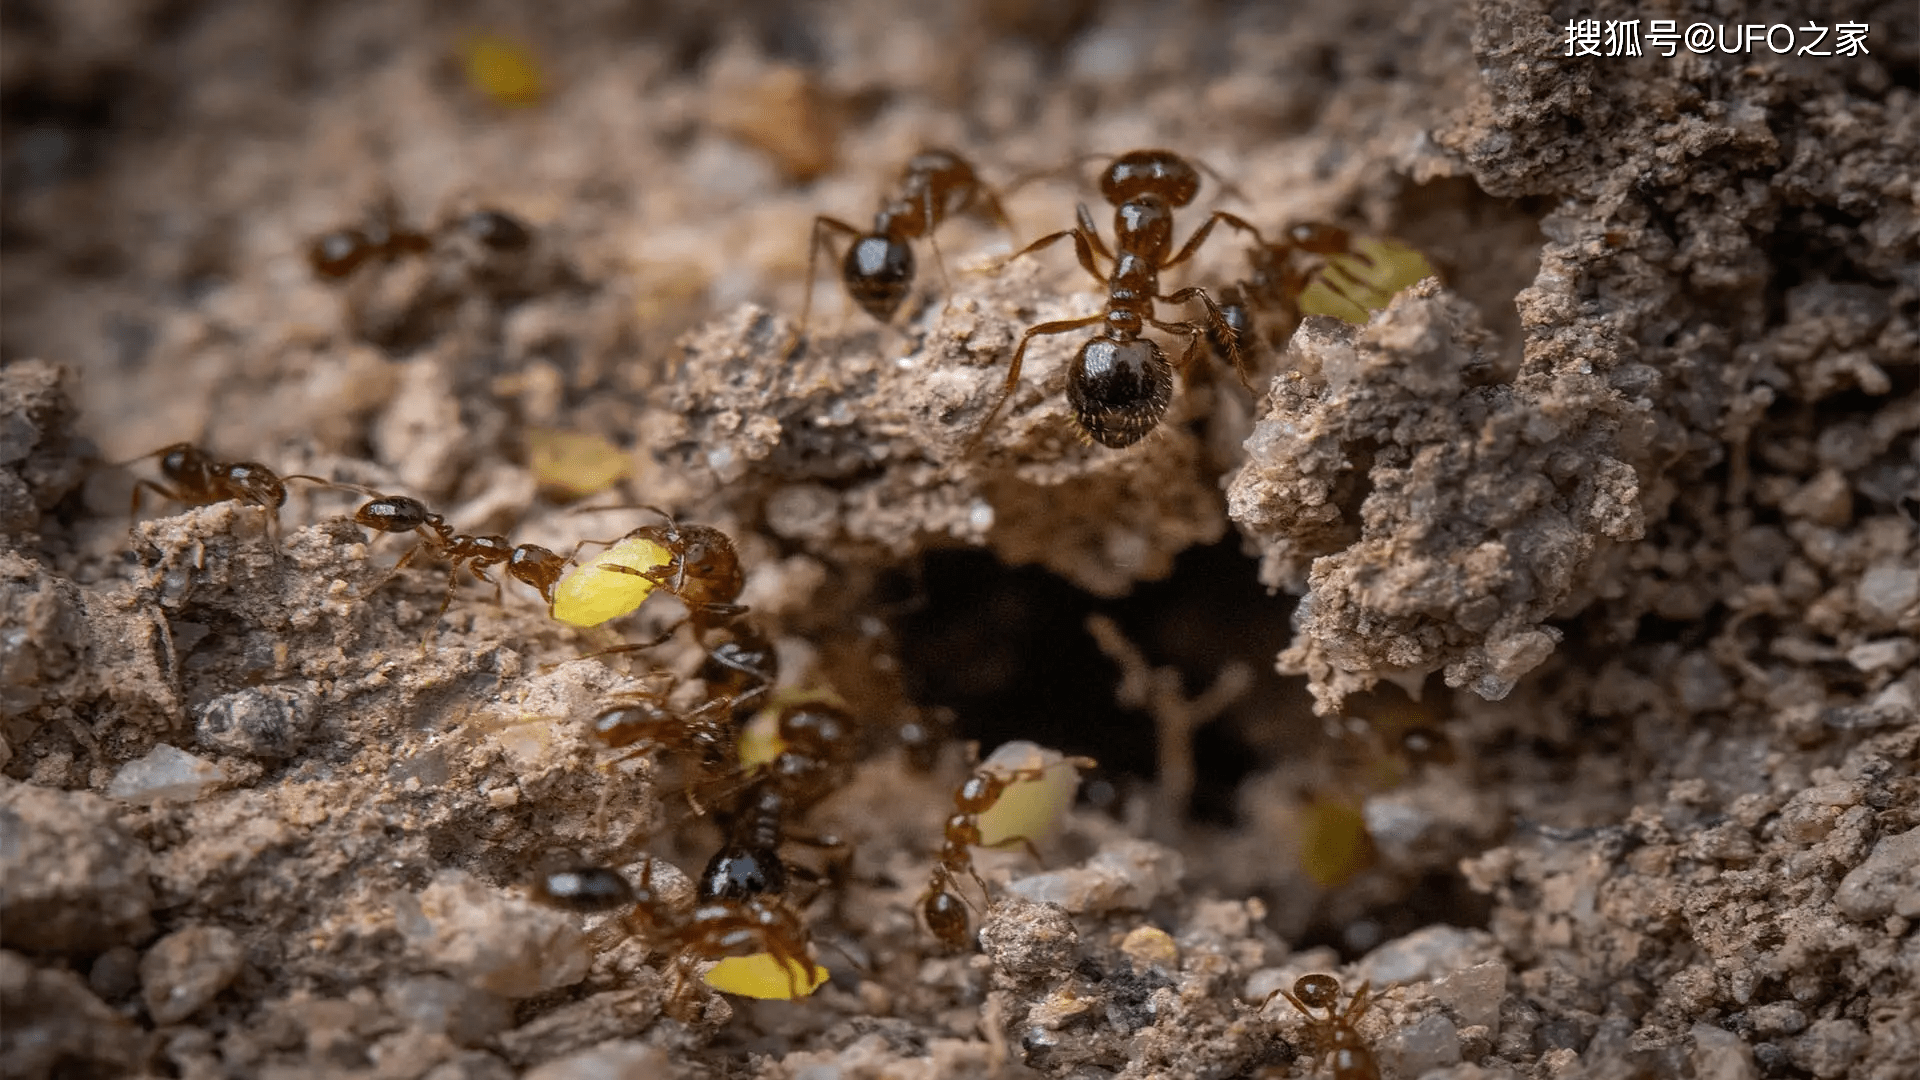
(1120, 382)
(337, 253)
(1335, 1033)
(194, 477)
(878, 268)
(714, 929)
(941, 905)
(702, 571)
(529, 564)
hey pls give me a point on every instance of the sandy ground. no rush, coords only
(1622, 513)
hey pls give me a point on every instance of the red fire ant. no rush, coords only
(976, 797)
(337, 254)
(702, 570)
(1334, 1034)
(713, 930)
(196, 479)
(878, 268)
(530, 564)
(1120, 383)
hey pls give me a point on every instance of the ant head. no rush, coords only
(1161, 172)
(181, 461)
(1318, 990)
(1320, 239)
(878, 271)
(818, 729)
(497, 230)
(338, 253)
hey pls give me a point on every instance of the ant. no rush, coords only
(941, 904)
(537, 567)
(702, 570)
(713, 930)
(197, 479)
(336, 254)
(878, 268)
(1280, 278)
(1335, 1033)
(1120, 383)
(740, 666)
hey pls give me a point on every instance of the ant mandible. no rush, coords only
(878, 268)
(1335, 1033)
(1120, 383)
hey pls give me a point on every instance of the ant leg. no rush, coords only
(1013, 370)
(1200, 236)
(933, 240)
(165, 493)
(991, 208)
(1093, 237)
(1216, 320)
(819, 240)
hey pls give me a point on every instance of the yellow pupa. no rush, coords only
(591, 594)
(760, 975)
(1367, 279)
(760, 740)
(1028, 807)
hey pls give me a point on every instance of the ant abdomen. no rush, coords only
(1119, 390)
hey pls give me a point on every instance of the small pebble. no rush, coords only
(1125, 875)
(1721, 1055)
(1433, 1043)
(1475, 994)
(1886, 883)
(167, 773)
(183, 971)
(1150, 946)
(618, 1060)
(496, 942)
(75, 881)
(1023, 938)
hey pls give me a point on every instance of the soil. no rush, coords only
(1545, 652)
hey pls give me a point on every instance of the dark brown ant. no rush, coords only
(193, 477)
(941, 904)
(757, 923)
(337, 254)
(1335, 1033)
(878, 268)
(1120, 383)
(1313, 252)
(741, 665)
(532, 565)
